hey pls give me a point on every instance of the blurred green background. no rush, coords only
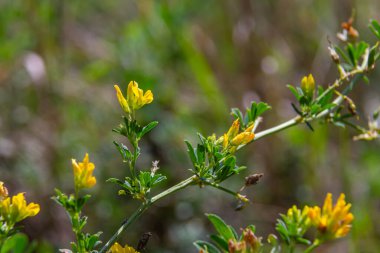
(60, 59)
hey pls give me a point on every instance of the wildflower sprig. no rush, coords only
(354, 61)
(74, 203)
(214, 158)
(13, 210)
(139, 183)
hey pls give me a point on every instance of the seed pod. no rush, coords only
(253, 179)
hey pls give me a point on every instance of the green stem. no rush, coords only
(217, 186)
(315, 244)
(292, 122)
(75, 222)
(143, 207)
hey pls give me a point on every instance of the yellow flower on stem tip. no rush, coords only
(83, 177)
(117, 248)
(308, 85)
(332, 221)
(135, 97)
(3, 191)
(15, 209)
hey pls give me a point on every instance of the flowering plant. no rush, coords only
(214, 161)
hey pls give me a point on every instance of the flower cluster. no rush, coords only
(83, 177)
(135, 97)
(332, 221)
(14, 209)
(232, 139)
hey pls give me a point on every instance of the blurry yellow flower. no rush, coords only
(83, 177)
(234, 129)
(242, 138)
(3, 191)
(308, 85)
(15, 209)
(135, 97)
(117, 248)
(332, 221)
(234, 138)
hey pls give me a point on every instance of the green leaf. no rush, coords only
(374, 26)
(294, 91)
(303, 241)
(146, 129)
(201, 154)
(257, 109)
(191, 152)
(115, 180)
(206, 246)
(220, 226)
(219, 241)
(17, 243)
(123, 150)
(342, 53)
(233, 231)
(237, 114)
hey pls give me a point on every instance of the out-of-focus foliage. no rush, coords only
(59, 61)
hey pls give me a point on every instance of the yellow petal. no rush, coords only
(122, 101)
(234, 129)
(148, 97)
(327, 206)
(242, 138)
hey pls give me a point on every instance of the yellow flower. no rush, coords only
(242, 138)
(308, 85)
(15, 209)
(332, 221)
(117, 248)
(83, 177)
(234, 138)
(3, 191)
(135, 97)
